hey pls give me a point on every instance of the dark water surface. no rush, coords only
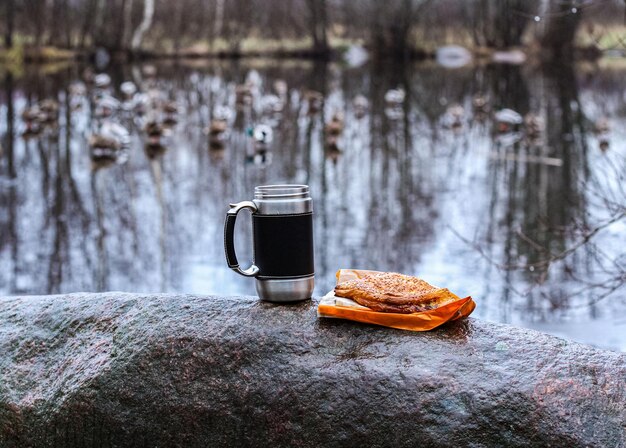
(419, 187)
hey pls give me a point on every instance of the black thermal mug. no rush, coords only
(282, 223)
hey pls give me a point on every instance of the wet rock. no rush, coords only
(170, 370)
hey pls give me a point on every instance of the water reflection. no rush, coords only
(484, 179)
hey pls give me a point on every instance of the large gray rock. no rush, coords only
(168, 370)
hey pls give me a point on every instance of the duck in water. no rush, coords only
(332, 152)
(360, 105)
(534, 126)
(453, 118)
(31, 117)
(102, 81)
(128, 89)
(109, 143)
(602, 128)
(154, 130)
(507, 120)
(106, 106)
(314, 101)
(336, 125)
(243, 95)
(480, 107)
(218, 128)
(49, 111)
(281, 89)
(170, 110)
(394, 99)
(261, 136)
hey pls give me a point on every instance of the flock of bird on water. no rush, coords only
(156, 116)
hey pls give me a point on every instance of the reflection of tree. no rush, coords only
(543, 198)
(318, 78)
(102, 271)
(410, 188)
(547, 233)
(59, 255)
(432, 91)
(9, 142)
(391, 25)
(66, 210)
(501, 23)
(77, 200)
(378, 224)
(507, 87)
(144, 26)
(552, 197)
(157, 176)
(562, 20)
(399, 210)
(318, 22)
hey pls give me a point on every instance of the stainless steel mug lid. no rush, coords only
(278, 192)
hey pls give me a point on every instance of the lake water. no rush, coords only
(422, 187)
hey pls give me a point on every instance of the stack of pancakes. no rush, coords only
(391, 292)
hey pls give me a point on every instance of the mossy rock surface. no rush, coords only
(122, 370)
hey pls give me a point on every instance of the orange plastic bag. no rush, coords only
(333, 306)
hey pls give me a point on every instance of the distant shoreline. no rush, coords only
(14, 59)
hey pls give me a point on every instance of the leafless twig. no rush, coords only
(546, 262)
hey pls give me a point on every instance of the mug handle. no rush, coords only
(229, 238)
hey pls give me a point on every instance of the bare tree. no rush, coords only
(501, 23)
(69, 18)
(127, 24)
(98, 36)
(10, 23)
(144, 26)
(88, 14)
(178, 25)
(391, 25)
(318, 23)
(38, 10)
(561, 23)
(387, 27)
(219, 19)
(55, 16)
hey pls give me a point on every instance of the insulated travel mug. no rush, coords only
(282, 224)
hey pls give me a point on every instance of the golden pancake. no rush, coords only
(394, 293)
